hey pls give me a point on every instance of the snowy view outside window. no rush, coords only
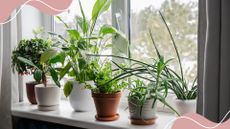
(181, 16)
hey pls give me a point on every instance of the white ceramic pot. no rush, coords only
(185, 106)
(80, 98)
(47, 97)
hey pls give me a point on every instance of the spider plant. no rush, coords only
(178, 85)
(141, 92)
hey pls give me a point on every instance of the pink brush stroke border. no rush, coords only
(51, 7)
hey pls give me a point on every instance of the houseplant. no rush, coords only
(106, 92)
(185, 101)
(86, 39)
(142, 98)
(47, 95)
(31, 50)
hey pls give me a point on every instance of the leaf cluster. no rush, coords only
(82, 40)
(30, 49)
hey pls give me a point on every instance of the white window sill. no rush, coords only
(66, 116)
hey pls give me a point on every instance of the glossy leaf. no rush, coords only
(107, 29)
(68, 88)
(26, 61)
(99, 7)
(37, 75)
(47, 55)
(65, 70)
(54, 76)
(74, 33)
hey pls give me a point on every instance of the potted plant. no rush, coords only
(46, 94)
(82, 69)
(31, 50)
(106, 92)
(142, 98)
(185, 101)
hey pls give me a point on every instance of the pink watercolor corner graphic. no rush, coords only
(196, 121)
(51, 7)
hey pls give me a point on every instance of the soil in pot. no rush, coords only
(185, 106)
(106, 106)
(30, 90)
(47, 97)
(142, 116)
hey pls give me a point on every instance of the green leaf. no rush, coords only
(99, 7)
(47, 55)
(60, 19)
(26, 61)
(82, 63)
(58, 58)
(37, 75)
(65, 70)
(68, 88)
(54, 76)
(108, 45)
(82, 22)
(58, 35)
(74, 34)
(107, 29)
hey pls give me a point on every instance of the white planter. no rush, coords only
(47, 97)
(185, 106)
(80, 98)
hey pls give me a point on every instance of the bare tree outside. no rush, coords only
(182, 18)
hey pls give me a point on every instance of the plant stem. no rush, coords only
(44, 79)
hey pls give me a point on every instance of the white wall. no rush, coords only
(31, 19)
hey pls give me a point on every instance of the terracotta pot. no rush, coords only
(106, 106)
(144, 116)
(30, 90)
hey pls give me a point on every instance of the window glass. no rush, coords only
(74, 10)
(182, 18)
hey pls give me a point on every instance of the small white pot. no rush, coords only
(80, 98)
(185, 106)
(47, 97)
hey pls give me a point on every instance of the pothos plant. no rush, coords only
(86, 39)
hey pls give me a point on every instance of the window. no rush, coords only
(74, 10)
(182, 18)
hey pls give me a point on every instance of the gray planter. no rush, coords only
(146, 116)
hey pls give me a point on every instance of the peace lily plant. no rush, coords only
(89, 72)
